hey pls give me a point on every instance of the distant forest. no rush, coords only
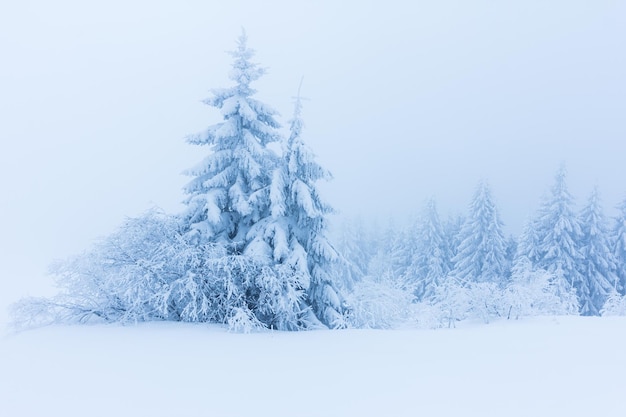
(564, 262)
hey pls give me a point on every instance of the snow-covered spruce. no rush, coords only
(431, 257)
(559, 236)
(293, 235)
(267, 208)
(229, 191)
(481, 255)
(598, 262)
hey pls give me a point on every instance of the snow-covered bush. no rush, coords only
(380, 302)
(530, 292)
(149, 270)
(615, 305)
(535, 292)
(474, 300)
(123, 277)
(452, 301)
(485, 301)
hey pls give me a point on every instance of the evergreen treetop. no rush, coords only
(229, 191)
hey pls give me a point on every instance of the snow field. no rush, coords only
(566, 366)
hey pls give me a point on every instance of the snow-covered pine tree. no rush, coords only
(234, 200)
(230, 188)
(430, 262)
(295, 231)
(598, 262)
(559, 236)
(619, 246)
(481, 255)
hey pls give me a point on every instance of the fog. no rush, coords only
(404, 102)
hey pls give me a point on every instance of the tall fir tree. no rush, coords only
(559, 235)
(598, 263)
(481, 255)
(619, 246)
(295, 231)
(430, 263)
(264, 210)
(230, 188)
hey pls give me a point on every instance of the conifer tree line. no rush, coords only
(251, 248)
(564, 262)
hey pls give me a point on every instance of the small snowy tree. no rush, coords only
(598, 262)
(481, 255)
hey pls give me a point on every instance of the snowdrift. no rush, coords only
(571, 366)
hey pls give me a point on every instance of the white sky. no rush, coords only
(407, 100)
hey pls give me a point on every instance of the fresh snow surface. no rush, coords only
(563, 366)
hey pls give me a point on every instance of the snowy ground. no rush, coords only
(565, 366)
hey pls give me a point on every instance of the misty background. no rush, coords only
(405, 102)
